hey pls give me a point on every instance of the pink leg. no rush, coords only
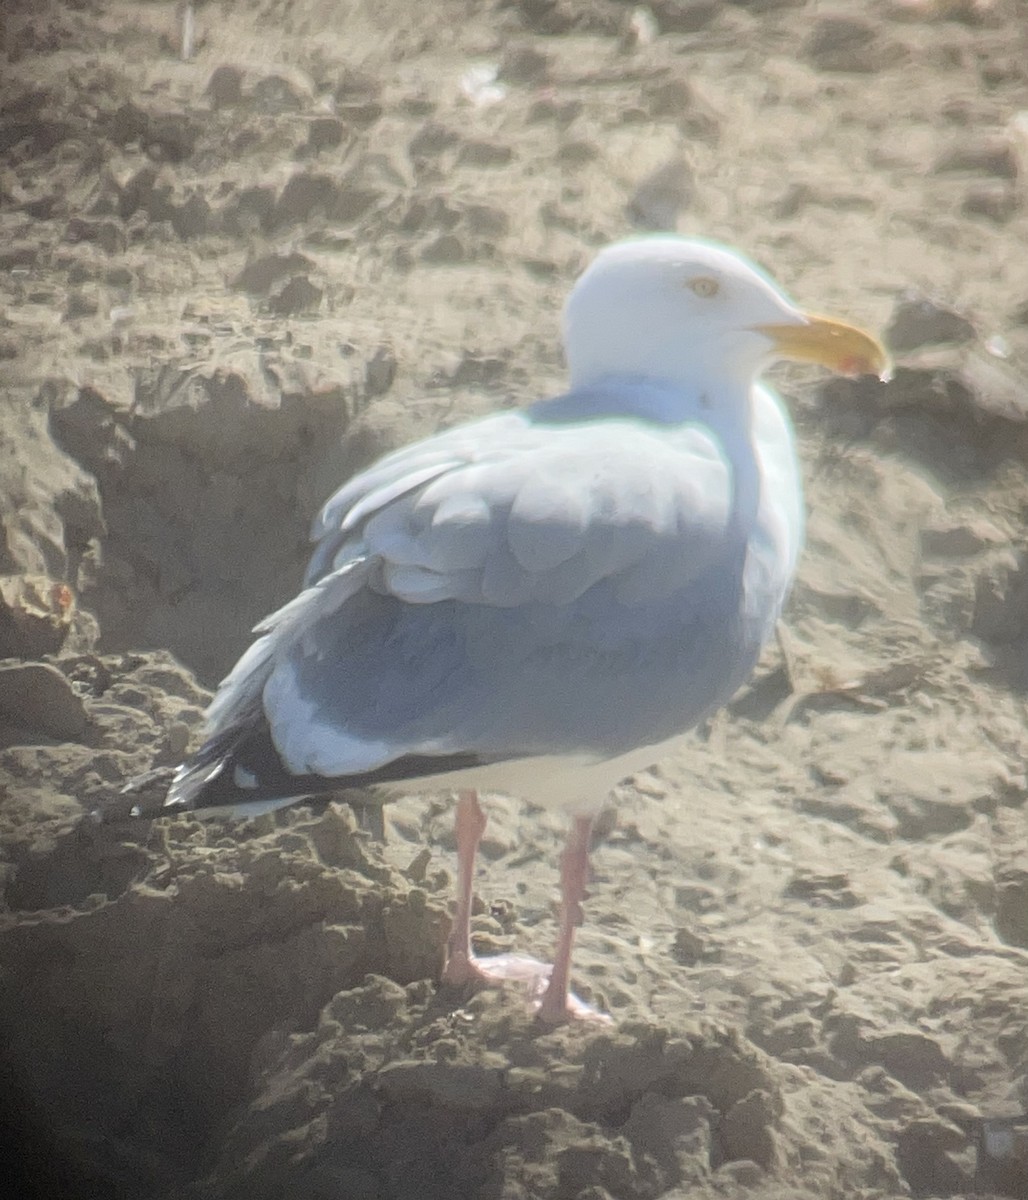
(470, 825)
(574, 874)
(558, 1004)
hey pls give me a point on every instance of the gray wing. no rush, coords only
(502, 589)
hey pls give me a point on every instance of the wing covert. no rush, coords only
(525, 512)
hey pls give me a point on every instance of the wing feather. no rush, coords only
(398, 644)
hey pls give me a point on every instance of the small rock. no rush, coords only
(918, 320)
(35, 696)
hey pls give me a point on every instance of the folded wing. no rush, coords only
(497, 591)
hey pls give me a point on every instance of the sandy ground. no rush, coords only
(227, 283)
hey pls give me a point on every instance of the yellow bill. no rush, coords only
(836, 345)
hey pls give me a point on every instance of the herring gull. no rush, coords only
(543, 601)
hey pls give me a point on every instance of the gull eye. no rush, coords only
(704, 286)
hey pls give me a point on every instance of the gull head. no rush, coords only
(687, 311)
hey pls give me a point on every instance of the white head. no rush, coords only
(686, 311)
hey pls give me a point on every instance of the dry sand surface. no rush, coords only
(227, 283)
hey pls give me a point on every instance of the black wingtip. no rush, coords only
(235, 769)
(238, 772)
